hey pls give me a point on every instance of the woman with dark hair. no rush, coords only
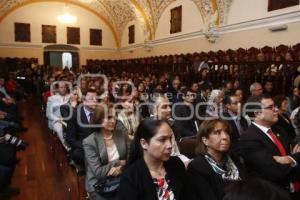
(153, 173)
(284, 122)
(128, 116)
(294, 99)
(257, 189)
(106, 151)
(214, 168)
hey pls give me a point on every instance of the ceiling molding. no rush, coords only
(42, 46)
(267, 22)
(285, 18)
(102, 18)
(21, 45)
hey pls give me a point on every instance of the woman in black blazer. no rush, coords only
(153, 174)
(284, 121)
(213, 169)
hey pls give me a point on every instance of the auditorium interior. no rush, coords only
(91, 89)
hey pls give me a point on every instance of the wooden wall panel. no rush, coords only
(22, 32)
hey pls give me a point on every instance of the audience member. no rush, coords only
(215, 103)
(266, 150)
(129, 116)
(55, 120)
(153, 173)
(268, 88)
(214, 168)
(78, 127)
(106, 150)
(160, 109)
(256, 89)
(284, 121)
(233, 115)
(185, 123)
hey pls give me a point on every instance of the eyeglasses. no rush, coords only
(271, 107)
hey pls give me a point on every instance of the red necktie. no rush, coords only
(277, 143)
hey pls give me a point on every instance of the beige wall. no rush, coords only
(241, 10)
(235, 40)
(45, 13)
(38, 52)
(191, 19)
(139, 34)
(188, 41)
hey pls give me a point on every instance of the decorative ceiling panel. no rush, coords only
(6, 5)
(211, 8)
(119, 13)
(154, 9)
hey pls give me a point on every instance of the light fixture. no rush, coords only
(67, 18)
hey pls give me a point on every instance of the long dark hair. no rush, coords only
(146, 130)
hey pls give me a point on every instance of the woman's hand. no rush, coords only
(285, 160)
(115, 171)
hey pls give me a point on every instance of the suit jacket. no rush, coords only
(183, 127)
(137, 183)
(75, 133)
(234, 132)
(258, 150)
(204, 183)
(53, 108)
(96, 157)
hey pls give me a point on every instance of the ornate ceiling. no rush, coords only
(118, 13)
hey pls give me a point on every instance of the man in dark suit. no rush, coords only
(232, 115)
(185, 123)
(266, 150)
(78, 126)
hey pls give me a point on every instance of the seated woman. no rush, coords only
(153, 174)
(106, 151)
(128, 116)
(284, 121)
(213, 169)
